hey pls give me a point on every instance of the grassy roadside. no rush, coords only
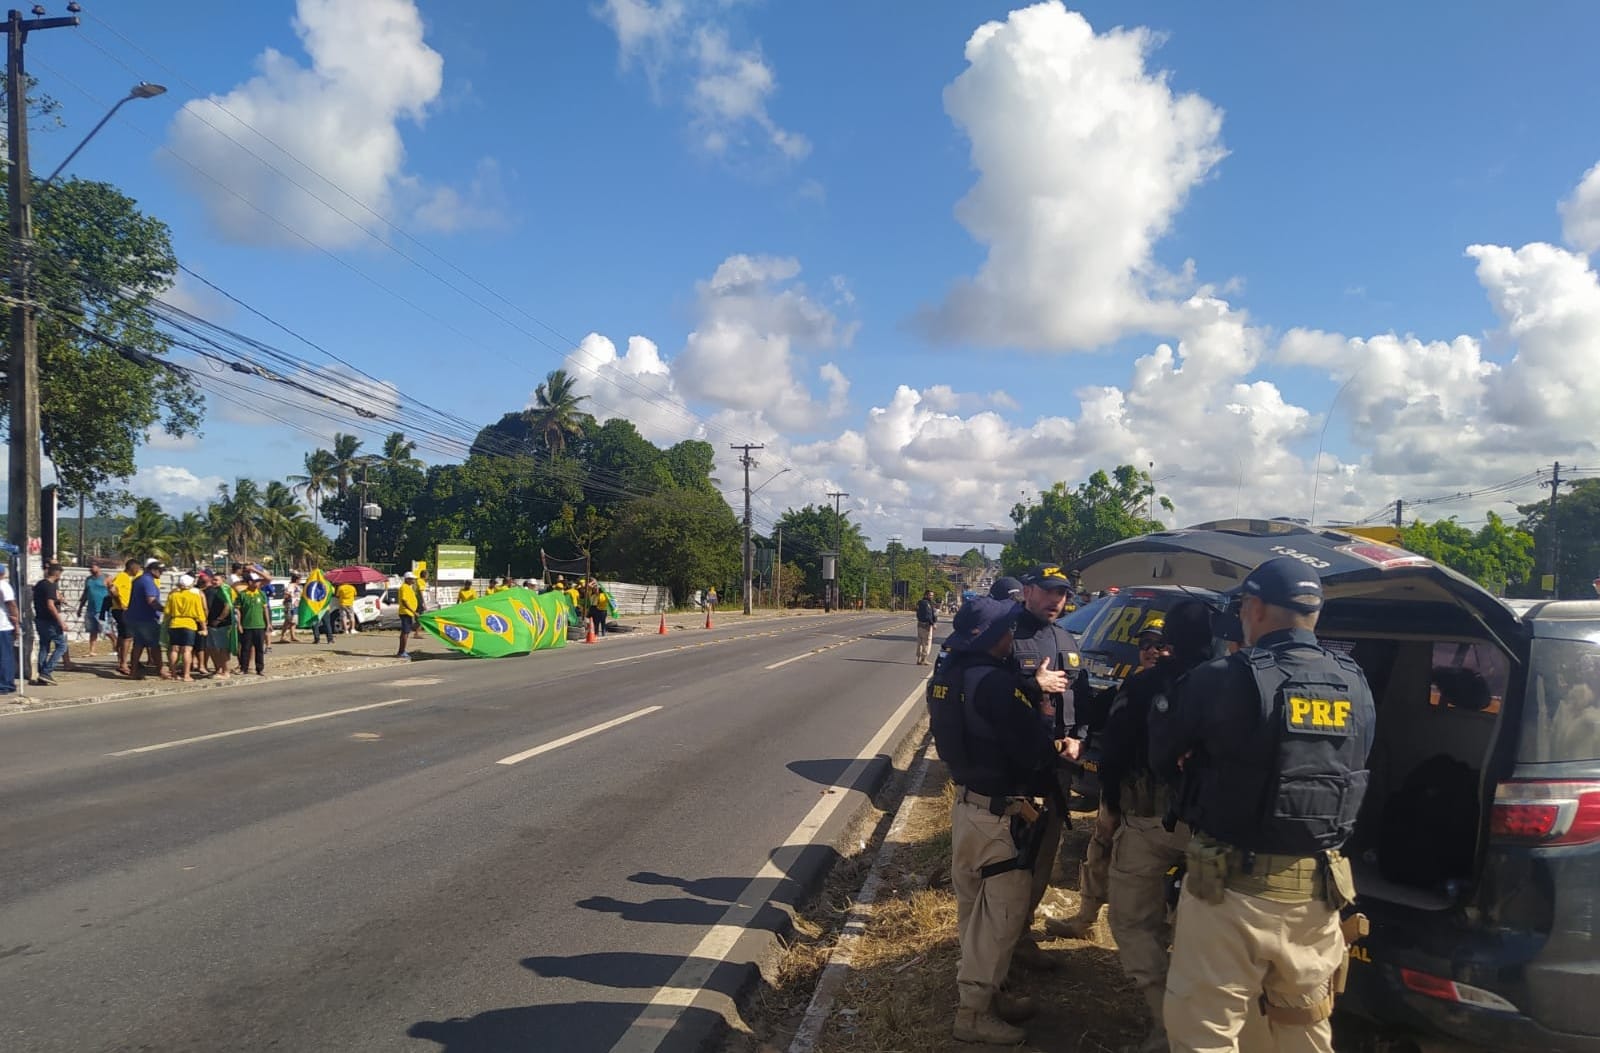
(900, 995)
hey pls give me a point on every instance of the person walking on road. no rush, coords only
(50, 624)
(144, 620)
(121, 597)
(93, 605)
(252, 607)
(10, 618)
(185, 615)
(1272, 743)
(997, 749)
(927, 618)
(408, 613)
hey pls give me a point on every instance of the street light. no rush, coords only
(141, 90)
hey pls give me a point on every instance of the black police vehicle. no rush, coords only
(1108, 641)
(1477, 851)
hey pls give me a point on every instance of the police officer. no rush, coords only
(996, 747)
(1273, 743)
(1134, 802)
(1047, 657)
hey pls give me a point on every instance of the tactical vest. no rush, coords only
(956, 724)
(1301, 778)
(1049, 641)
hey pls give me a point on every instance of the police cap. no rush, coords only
(1285, 582)
(1005, 589)
(1048, 576)
(981, 622)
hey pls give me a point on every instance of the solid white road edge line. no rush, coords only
(567, 740)
(255, 727)
(686, 986)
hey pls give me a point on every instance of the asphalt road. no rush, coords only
(569, 851)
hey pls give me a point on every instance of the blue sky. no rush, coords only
(605, 166)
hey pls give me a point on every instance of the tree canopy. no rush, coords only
(1066, 524)
(1496, 556)
(1570, 538)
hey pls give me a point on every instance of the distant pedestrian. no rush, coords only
(144, 620)
(185, 615)
(466, 593)
(219, 623)
(408, 613)
(10, 618)
(710, 601)
(322, 628)
(121, 596)
(927, 618)
(50, 624)
(291, 610)
(346, 595)
(252, 607)
(599, 606)
(94, 605)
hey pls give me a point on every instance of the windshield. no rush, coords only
(1561, 718)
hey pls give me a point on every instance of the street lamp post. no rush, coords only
(141, 90)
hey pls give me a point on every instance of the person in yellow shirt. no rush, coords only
(346, 595)
(185, 614)
(121, 594)
(408, 613)
(466, 593)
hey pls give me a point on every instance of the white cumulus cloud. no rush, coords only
(175, 488)
(1084, 155)
(636, 385)
(291, 142)
(1580, 213)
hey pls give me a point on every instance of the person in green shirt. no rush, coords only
(252, 608)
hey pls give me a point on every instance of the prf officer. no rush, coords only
(1273, 743)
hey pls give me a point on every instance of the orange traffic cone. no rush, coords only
(663, 630)
(708, 617)
(589, 636)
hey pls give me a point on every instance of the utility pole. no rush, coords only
(1555, 535)
(749, 556)
(894, 562)
(838, 545)
(1399, 514)
(361, 522)
(22, 373)
(777, 572)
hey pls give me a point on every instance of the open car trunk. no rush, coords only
(1440, 653)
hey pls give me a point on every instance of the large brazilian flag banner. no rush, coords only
(314, 598)
(512, 621)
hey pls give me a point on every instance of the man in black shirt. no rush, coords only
(50, 624)
(997, 747)
(927, 618)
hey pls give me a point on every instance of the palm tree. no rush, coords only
(346, 461)
(148, 533)
(305, 545)
(280, 508)
(554, 414)
(238, 515)
(398, 451)
(317, 481)
(191, 539)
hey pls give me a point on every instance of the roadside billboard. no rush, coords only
(455, 563)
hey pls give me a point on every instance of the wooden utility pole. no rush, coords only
(838, 547)
(1555, 535)
(749, 556)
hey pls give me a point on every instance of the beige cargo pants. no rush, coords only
(1141, 852)
(1225, 955)
(991, 912)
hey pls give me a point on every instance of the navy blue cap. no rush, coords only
(1285, 582)
(1048, 576)
(1005, 589)
(980, 622)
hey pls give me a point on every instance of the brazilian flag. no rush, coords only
(512, 621)
(314, 600)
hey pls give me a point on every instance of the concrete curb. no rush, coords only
(837, 970)
(169, 688)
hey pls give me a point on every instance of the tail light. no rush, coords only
(1547, 812)
(1450, 991)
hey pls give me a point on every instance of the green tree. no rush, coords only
(1496, 556)
(1067, 524)
(99, 263)
(556, 413)
(681, 539)
(319, 480)
(148, 533)
(810, 531)
(238, 517)
(1575, 537)
(190, 539)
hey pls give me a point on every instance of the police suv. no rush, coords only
(1477, 850)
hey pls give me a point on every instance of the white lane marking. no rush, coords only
(688, 985)
(415, 681)
(255, 727)
(635, 657)
(567, 740)
(816, 651)
(707, 643)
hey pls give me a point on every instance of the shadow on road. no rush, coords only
(830, 772)
(633, 969)
(576, 1027)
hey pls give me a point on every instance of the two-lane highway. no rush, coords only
(567, 851)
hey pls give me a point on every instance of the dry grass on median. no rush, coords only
(900, 995)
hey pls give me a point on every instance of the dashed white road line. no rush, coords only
(567, 740)
(817, 651)
(256, 727)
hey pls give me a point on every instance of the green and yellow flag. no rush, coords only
(512, 621)
(314, 599)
